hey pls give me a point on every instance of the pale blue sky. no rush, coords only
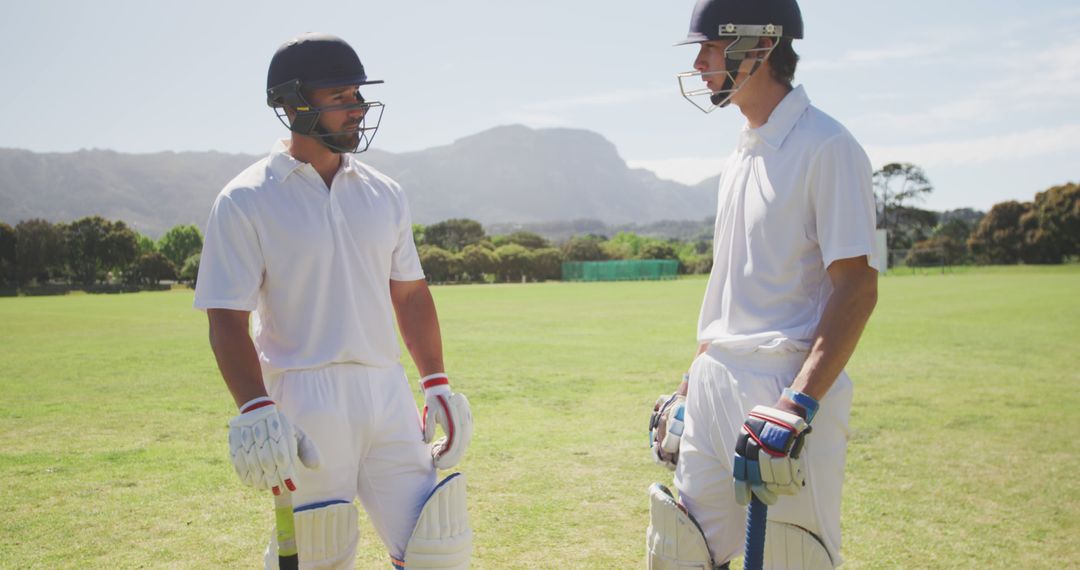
(984, 94)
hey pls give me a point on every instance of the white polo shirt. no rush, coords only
(314, 265)
(795, 196)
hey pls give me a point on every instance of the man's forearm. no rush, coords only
(236, 356)
(419, 325)
(841, 326)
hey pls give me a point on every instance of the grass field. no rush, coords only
(964, 451)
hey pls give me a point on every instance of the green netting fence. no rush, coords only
(620, 270)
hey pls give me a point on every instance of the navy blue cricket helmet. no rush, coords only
(314, 61)
(716, 19)
(744, 23)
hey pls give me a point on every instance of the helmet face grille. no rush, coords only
(743, 48)
(306, 122)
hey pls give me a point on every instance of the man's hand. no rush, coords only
(450, 411)
(262, 445)
(767, 455)
(666, 429)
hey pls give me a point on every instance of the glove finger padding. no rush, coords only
(448, 451)
(429, 421)
(674, 430)
(306, 450)
(262, 445)
(767, 455)
(666, 428)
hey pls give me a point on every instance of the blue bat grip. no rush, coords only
(755, 535)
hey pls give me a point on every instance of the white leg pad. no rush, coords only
(674, 540)
(791, 547)
(326, 538)
(442, 538)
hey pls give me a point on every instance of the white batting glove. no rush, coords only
(666, 428)
(262, 445)
(450, 411)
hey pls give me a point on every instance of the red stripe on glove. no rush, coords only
(442, 381)
(253, 407)
(449, 422)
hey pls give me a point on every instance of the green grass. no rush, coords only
(964, 454)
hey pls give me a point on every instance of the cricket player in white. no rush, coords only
(317, 248)
(764, 409)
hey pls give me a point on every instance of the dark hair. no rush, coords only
(782, 61)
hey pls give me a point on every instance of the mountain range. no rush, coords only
(503, 176)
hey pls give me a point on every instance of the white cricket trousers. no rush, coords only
(367, 428)
(723, 388)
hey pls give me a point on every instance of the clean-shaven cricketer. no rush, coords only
(764, 410)
(316, 248)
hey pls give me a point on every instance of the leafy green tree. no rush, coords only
(121, 247)
(969, 215)
(896, 184)
(453, 235)
(513, 262)
(146, 244)
(527, 240)
(180, 243)
(999, 238)
(701, 265)
(623, 245)
(1039, 245)
(657, 250)
(956, 228)
(439, 264)
(96, 245)
(153, 268)
(39, 250)
(545, 263)
(583, 248)
(950, 238)
(1057, 211)
(190, 271)
(7, 256)
(418, 234)
(477, 260)
(937, 250)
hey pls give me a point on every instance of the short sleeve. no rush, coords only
(405, 263)
(843, 195)
(231, 264)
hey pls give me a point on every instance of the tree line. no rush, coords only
(460, 251)
(93, 253)
(98, 254)
(1045, 230)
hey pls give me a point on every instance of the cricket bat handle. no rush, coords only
(755, 535)
(286, 531)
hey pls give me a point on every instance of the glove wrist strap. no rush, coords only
(434, 381)
(256, 403)
(804, 401)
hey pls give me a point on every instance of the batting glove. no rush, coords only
(446, 409)
(767, 454)
(262, 445)
(666, 428)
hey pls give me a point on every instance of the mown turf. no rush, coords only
(963, 454)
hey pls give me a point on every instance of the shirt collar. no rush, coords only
(282, 164)
(783, 118)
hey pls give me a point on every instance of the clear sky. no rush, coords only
(983, 94)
